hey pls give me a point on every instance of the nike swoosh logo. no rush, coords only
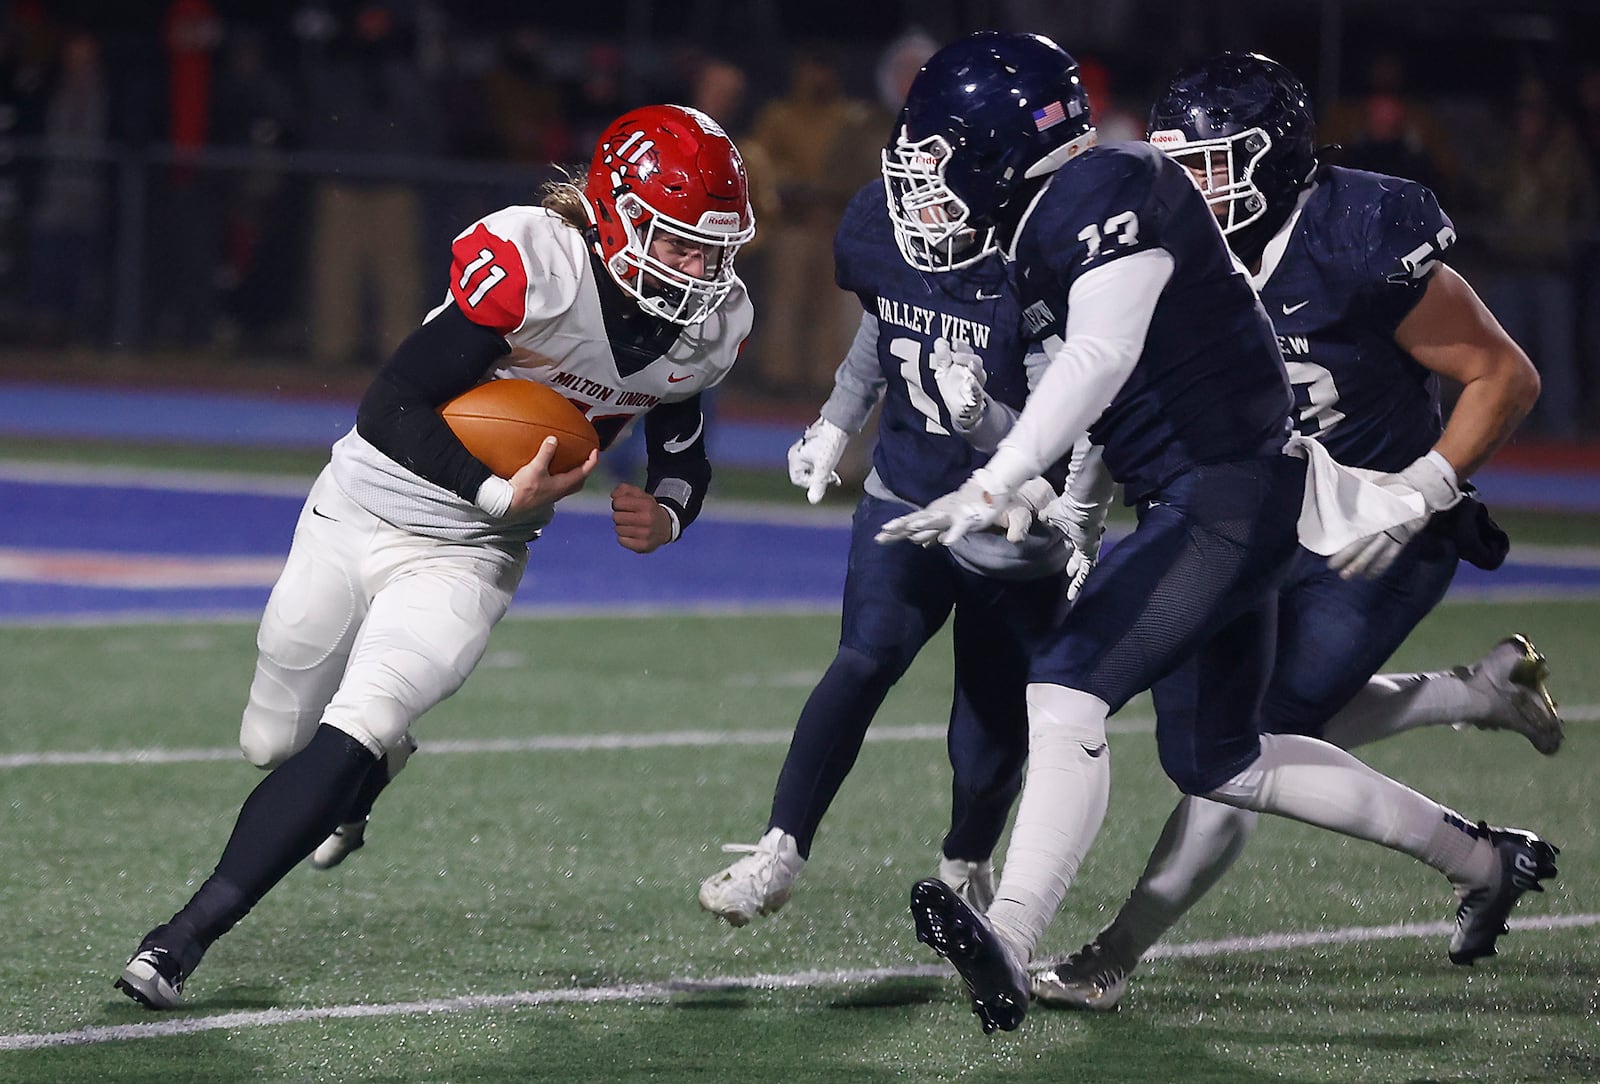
(673, 378)
(319, 513)
(673, 447)
(1096, 753)
(988, 297)
(1290, 310)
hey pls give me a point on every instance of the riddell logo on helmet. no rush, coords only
(1168, 138)
(720, 221)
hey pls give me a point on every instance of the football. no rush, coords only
(504, 422)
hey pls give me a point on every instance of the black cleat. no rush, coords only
(994, 977)
(1525, 860)
(154, 976)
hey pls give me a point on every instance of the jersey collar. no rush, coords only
(1272, 254)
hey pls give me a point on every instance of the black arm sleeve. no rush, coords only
(677, 471)
(399, 416)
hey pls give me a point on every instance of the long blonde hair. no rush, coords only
(564, 198)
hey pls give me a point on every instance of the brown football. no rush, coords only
(504, 422)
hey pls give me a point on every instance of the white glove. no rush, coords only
(1434, 479)
(814, 456)
(979, 503)
(1032, 497)
(960, 375)
(1083, 526)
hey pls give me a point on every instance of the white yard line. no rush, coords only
(665, 991)
(583, 743)
(568, 743)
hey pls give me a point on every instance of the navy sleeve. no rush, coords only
(1112, 211)
(677, 470)
(1407, 235)
(399, 412)
(864, 222)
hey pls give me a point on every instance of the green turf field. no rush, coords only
(526, 911)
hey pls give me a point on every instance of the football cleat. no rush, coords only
(346, 840)
(1513, 674)
(994, 976)
(155, 974)
(973, 881)
(1088, 979)
(757, 884)
(1524, 861)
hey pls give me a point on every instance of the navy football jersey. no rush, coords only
(1210, 385)
(1359, 256)
(919, 454)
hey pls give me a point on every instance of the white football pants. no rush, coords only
(368, 627)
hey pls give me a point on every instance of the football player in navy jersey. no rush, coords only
(944, 408)
(1368, 317)
(1159, 348)
(621, 294)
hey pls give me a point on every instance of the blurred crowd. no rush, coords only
(283, 187)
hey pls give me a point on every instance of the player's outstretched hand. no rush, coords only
(534, 486)
(642, 523)
(950, 518)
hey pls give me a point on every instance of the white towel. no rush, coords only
(1343, 504)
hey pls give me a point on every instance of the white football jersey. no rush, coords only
(527, 274)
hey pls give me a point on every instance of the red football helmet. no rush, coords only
(666, 180)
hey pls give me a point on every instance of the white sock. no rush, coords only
(1393, 703)
(1063, 803)
(1312, 781)
(1199, 843)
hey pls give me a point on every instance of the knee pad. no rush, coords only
(262, 748)
(399, 754)
(862, 668)
(380, 723)
(1197, 768)
(1199, 779)
(1066, 714)
(269, 733)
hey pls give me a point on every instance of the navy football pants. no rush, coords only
(1186, 606)
(1334, 634)
(896, 597)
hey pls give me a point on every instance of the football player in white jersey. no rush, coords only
(620, 294)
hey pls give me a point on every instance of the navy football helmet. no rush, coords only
(1242, 124)
(985, 120)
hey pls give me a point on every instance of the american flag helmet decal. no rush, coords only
(1050, 116)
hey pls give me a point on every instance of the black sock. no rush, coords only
(372, 786)
(284, 818)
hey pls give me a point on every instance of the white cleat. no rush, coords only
(1513, 674)
(973, 881)
(1089, 979)
(345, 841)
(757, 884)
